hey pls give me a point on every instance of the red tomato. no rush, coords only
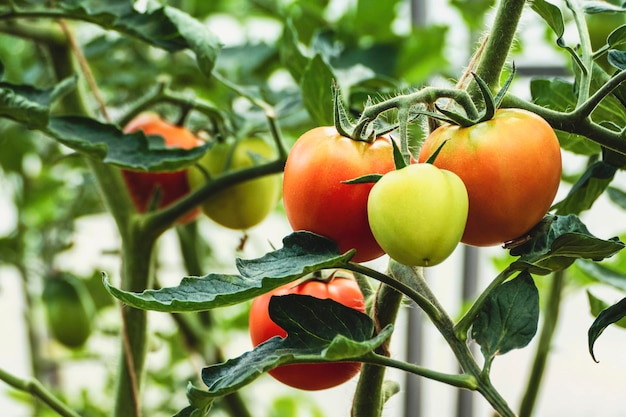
(173, 185)
(316, 200)
(342, 289)
(511, 166)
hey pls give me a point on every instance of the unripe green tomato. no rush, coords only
(418, 213)
(69, 309)
(245, 204)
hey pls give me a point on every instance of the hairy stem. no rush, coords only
(498, 44)
(369, 398)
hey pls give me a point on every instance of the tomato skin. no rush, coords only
(243, 205)
(315, 198)
(418, 214)
(511, 166)
(316, 376)
(173, 185)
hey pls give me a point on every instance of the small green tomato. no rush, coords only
(244, 205)
(418, 213)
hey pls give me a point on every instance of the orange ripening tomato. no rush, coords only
(173, 185)
(315, 198)
(511, 167)
(315, 376)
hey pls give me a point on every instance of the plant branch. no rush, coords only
(36, 389)
(460, 381)
(584, 109)
(586, 60)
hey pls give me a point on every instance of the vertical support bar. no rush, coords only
(465, 399)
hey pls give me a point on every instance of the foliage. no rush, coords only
(74, 72)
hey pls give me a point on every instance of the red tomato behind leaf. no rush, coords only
(316, 376)
(173, 185)
(317, 201)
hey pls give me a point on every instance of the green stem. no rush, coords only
(550, 320)
(369, 397)
(459, 347)
(572, 123)
(586, 69)
(35, 388)
(460, 381)
(584, 109)
(498, 44)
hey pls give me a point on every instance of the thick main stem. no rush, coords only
(369, 397)
(498, 45)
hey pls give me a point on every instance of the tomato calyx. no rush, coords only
(491, 103)
(365, 130)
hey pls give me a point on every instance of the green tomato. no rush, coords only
(69, 309)
(246, 204)
(418, 213)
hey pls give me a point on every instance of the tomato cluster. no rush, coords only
(342, 288)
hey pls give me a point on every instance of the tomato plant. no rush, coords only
(69, 309)
(418, 213)
(244, 205)
(166, 186)
(511, 166)
(340, 287)
(315, 198)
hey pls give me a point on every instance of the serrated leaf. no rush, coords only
(302, 253)
(317, 331)
(166, 27)
(317, 91)
(111, 145)
(508, 318)
(29, 105)
(558, 241)
(587, 189)
(607, 317)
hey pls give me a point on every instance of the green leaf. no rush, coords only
(29, 105)
(587, 189)
(604, 274)
(508, 319)
(301, 254)
(370, 15)
(551, 14)
(290, 54)
(317, 331)
(592, 7)
(166, 27)
(596, 306)
(617, 59)
(607, 317)
(557, 241)
(107, 142)
(364, 179)
(617, 37)
(617, 196)
(317, 91)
